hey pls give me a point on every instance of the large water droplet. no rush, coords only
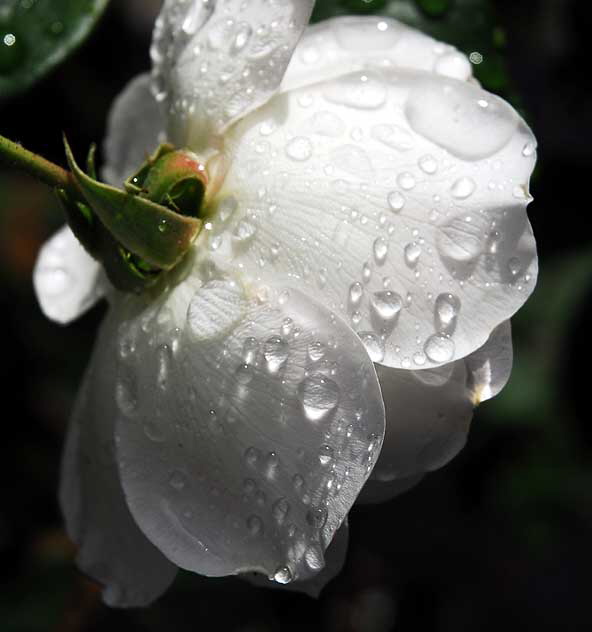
(386, 305)
(276, 351)
(373, 344)
(283, 575)
(448, 113)
(453, 64)
(299, 149)
(463, 188)
(362, 91)
(406, 181)
(319, 396)
(439, 348)
(446, 311)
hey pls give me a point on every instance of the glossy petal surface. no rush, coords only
(134, 130)
(342, 45)
(216, 60)
(429, 413)
(396, 198)
(250, 422)
(113, 550)
(67, 280)
(334, 561)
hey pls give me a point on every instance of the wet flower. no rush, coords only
(364, 244)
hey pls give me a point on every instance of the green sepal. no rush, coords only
(80, 220)
(135, 183)
(148, 230)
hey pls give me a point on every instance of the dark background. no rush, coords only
(500, 538)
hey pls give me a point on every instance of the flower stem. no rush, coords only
(17, 156)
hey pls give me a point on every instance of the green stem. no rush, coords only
(17, 156)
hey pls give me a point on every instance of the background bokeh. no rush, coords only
(500, 538)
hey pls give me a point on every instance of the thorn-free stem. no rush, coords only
(17, 156)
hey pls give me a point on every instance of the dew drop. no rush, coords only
(244, 373)
(528, 150)
(406, 181)
(361, 91)
(280, 510)
(317, 517)
(316, 351)
(428, 164)
(177, 480)
(314, 558)
(514, 266)
(446, 311)
(319, 396)
(283, 575)
(325, 454)
(439, 348)
(250, 348)
(386, 305)
(356, 291)
(276, 351)
(299, 149)
(254, 525)
(373, 344)
(412, 253)
(244, 231)
(463, 188)
(380, 250)
(396, 201)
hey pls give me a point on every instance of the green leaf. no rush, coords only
(36, 35)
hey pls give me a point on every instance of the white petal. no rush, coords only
(67, 280)
(334, 561)
(215, 61)
(345, 44)
(397, 199)
(112, 549)
(244, 448)
(134, 130)
(490, 366)
(429, 413)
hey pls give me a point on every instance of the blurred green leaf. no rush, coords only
(36, 35)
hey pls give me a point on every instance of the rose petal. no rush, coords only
(345, 44)
(112, 548)
(134, 130)
(334, 561)
(429, 413)
(216, 61)
(397, 199)
(259, 420)
(67, 280)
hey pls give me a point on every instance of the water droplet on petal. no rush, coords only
(275, 351)
(386, 305)
(412, 253)
(447, 308)
(316, 351)
(254, 525)
(319, 396)
(396, 201)
(373, 344)
(299, 149)
(356, 291)
(283, 575)
(428, 164)
(325, 454)
(380, 250)
(280, 510)
(406, 181)
(439, 348)
(514, 266)
(463, 188)
(177, 480)
(317, 517)
(362, 91)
